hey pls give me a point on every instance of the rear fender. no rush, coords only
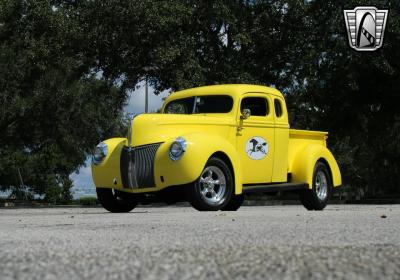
(303, 166)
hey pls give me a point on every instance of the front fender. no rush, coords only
(303, 166)
(108, 170)
(200, 147)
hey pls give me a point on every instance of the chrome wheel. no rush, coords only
(321, 185)
(212, 185)
(317, 197)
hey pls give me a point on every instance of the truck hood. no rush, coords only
(157, 128)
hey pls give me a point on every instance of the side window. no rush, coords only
(278, 108)
(258, 106)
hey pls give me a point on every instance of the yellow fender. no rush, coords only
(200, 147)
(303, 166)
(108, 170)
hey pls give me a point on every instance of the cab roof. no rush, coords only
(234, 90)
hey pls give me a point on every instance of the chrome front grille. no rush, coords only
(137, 166)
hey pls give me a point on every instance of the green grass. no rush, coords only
(86, 201)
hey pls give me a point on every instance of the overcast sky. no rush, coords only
(136, 100)
(135, 105)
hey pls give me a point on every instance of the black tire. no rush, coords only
(115, 201)
(199, 194)
(313, 199)
(234, 203)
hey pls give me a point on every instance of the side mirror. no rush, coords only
(246, 113)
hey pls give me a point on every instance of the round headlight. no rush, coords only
(100, 153)
(177, 148)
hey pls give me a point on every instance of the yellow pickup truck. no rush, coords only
(210, 146)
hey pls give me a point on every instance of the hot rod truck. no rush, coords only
(209, 146)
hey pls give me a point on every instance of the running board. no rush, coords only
(275, 187)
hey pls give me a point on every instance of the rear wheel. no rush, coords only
(115, 201)
(317, 197)
(214, 187)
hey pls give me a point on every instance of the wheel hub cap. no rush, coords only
(212, 185)
(321, 185)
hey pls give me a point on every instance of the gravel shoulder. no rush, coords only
(284, 242)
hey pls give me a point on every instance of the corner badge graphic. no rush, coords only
(256, 148)
(365, 27)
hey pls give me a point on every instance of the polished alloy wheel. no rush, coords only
(321, 185)
(212, 185)
(317, 197)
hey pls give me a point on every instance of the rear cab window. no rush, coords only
(278, 108)
(281, 117)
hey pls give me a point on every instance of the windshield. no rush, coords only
(203, 105)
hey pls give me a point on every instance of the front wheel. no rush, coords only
(115, 201)
(234, 203)
(317, 197)
(214, 187)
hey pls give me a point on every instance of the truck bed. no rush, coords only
(299, 139)
(307, 134)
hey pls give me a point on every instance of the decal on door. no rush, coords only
(257, 148)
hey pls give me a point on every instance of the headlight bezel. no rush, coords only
(100, 153)
(177, 148)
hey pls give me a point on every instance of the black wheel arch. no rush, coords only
(227, 160)
(325, 162)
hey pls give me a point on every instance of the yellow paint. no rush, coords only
(293, 151)
(305, 149)
(190, 166)
(281, 144)
(257, 171)
(104, 173)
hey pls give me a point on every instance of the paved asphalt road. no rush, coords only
(272, 242)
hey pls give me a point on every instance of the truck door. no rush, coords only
(255, 139)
